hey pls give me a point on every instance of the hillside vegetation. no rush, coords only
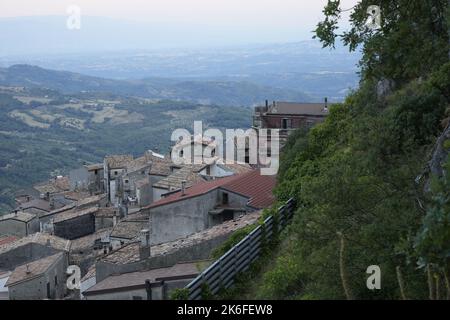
(366, 193)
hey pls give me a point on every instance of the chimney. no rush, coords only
(144, 248)
(183, 188)
(15, 213)
(115, 218)
(28, 269)
(28, 198)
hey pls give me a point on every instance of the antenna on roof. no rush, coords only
(183, 187)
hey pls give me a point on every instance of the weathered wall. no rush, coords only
(13, 228)
(157, 193)
(29, 252)
(144, 195)
(37, 288)
(33, 226)
(79, 179)
(180, 219)
(103, 222)
(75, 228)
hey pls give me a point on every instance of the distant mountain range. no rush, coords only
(289, 71)
(233, 93)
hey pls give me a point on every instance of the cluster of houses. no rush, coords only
(136, 227)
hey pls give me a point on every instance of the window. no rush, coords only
(208, 170)
(228, 215)
(137, 298)
(95, 171)
(286, 123)
(115, 173)
(126, 181)
(48, 290)
(224, 198)
(56, 281)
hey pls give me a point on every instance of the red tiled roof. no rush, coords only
(256, 187)
(7, 239)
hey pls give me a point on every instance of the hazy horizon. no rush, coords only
(39, 27)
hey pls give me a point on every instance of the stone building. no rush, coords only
(106, 217)
(95, 178)
(77, 208)
(154, 284)
(84, 250)
(207, 204)
(128, 229)
(188, 173)
(127, 178)
(289, 116)
(20, 224)
(135, 256)
(75, 223)
(31, 248)
(40, 279)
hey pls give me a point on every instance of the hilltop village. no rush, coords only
(137, 227)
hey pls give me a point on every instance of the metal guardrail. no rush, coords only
(222, 273)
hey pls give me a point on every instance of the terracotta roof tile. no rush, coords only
(20, 216)
(38, 238)
(32, 269)
(133, 279)
(255, 186)
(258, 188)
(7, 239)
(74, 213)
(186, 173)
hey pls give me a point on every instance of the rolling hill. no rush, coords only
(227, 93)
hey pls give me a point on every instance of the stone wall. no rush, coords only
(76, 227)
(18, 228)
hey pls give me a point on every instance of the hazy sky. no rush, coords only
(290, 19)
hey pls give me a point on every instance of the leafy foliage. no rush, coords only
(355, 174)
